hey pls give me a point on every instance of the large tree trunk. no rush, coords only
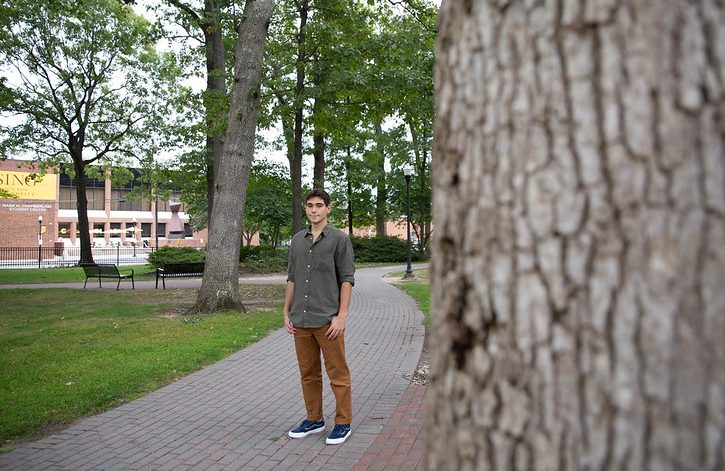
(579, 257)
(220, 285)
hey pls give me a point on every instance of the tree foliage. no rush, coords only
(365, 66)
(268, 209)
(83, 83)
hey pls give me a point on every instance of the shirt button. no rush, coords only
(307, 281)
(308, 266)
(305, 296)
(310, 250)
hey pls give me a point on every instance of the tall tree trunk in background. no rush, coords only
(288, 132)
(318, 149)
(349, 192)
(318, 133)
(296, 164)
(216, 92)
(579, 258)
(381, 199)
(220, 285)
(79, 167)
(422, 170)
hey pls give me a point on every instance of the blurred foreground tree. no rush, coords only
(579, 257)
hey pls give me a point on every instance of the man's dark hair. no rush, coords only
(319, 193)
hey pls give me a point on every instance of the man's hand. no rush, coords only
(288, 325)
(337, 327)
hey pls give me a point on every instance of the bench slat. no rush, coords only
(178, 270)
(105, 270)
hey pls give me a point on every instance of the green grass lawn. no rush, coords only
(9, 276)
(418, 288)
(65, 356)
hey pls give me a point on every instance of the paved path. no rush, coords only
(150, 284)
(235, 414)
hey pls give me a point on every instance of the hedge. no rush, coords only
(381, 249)
(175, 255)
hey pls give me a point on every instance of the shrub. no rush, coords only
(263, 259)
(175, 254)
(381, 249)
(257, 251)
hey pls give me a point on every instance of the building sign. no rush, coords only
(29, 186)
(26, 207)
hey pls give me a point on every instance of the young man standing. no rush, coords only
(321, 273)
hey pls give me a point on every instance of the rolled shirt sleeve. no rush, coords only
(345, 262)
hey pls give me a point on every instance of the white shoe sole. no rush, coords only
(304, 434)
(338, 441)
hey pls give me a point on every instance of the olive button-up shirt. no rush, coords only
(318, 271)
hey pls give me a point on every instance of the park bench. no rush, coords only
(101, 270)
(178, 270)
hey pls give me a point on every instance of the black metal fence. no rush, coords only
(59, 256)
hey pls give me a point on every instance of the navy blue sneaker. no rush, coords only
(307, 427)
(339, 434)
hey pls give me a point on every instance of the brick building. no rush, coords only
(44, 212)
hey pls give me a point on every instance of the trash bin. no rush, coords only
(58, 248)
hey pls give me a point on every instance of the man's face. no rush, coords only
(316, 210)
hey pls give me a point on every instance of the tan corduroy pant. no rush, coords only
(308, 344)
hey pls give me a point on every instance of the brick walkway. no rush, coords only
(235, 414)
(401, 443)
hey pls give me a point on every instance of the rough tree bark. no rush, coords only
(579, 258)
(220, 285)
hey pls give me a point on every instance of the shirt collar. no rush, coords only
(325, 230)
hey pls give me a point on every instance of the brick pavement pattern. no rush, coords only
(401, 443)
(235, 414)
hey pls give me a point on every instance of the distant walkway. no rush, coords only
(235, 414)
(277, 278)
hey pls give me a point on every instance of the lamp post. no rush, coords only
(408, 172)
(134, 236)
(40, 239)
(156, 218)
